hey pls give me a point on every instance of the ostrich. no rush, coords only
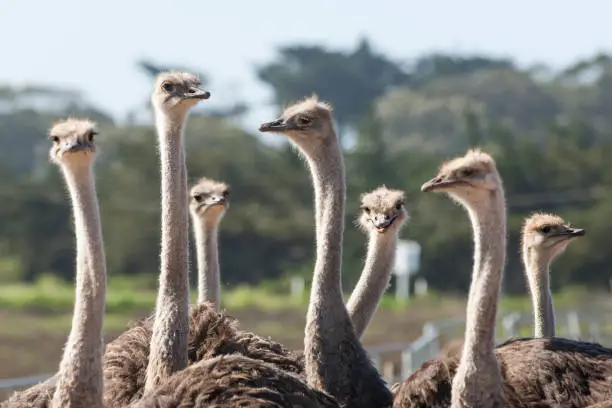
(156, 347)
(544, 237)
(173, 96)
(79, 380)
(382, 216)
(208, 204)
(211, 333)
(335, 360)
(523, 372)
(473, 181)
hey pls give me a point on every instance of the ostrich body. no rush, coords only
(174, 94)
(544, 237)
(382, 216)
(524, 372)
(536, 372)
(208, 204)
(335, 360)
(605, 404)
(211, 333)
(235, 381)
(79, 381)
(37, 396)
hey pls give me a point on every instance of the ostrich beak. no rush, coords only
(439, 183)
(196, 93)
(575, 232)
(277, 125)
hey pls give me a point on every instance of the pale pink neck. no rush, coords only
(537, 271)
(478, 379)
(329, 184)
(374, 279)
(489, 225)
(80, 374)
(170, 328)
(335, 360)
(209, 280)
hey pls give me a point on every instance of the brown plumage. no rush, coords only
(541, 372)
(605, 404)
(37, 396)
(234, 381)
(211, 334)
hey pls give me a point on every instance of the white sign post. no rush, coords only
(407, 262)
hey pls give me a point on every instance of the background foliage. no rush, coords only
(550, 131)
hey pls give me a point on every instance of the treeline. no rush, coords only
(551, 133)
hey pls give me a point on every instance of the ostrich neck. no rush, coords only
(489, 225)
(329, 184)
(170, 329)
(335, 361)
(478, 380)
(80, 373)
(374, 279)
(537, 270)
(209, 282)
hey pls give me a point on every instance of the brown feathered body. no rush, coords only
(211, 334)
(604, 404)
(545, 372)
(234, 381)
(37, 396)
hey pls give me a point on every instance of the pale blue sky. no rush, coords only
(93, 45)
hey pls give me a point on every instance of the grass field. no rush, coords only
(35, 319)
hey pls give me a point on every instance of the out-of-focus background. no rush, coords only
(412, 83)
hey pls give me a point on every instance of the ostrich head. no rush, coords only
(307, 123)
(176, 92)
(73, 142)
(470, 179)
(208, 199)
(382, 210)
(548, 234)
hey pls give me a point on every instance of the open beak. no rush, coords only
(277, 125)
(438, 183)
(382, 225)
(196, 93)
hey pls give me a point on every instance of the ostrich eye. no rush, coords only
(55, 139)
(304, 121)
(468, 172)
(546, 229)
(226, 193)
(91, 135)
(366, 209)
(399, 206)
(198, 197)
(168, 87)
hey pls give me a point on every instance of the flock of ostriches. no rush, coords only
(196, 356)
